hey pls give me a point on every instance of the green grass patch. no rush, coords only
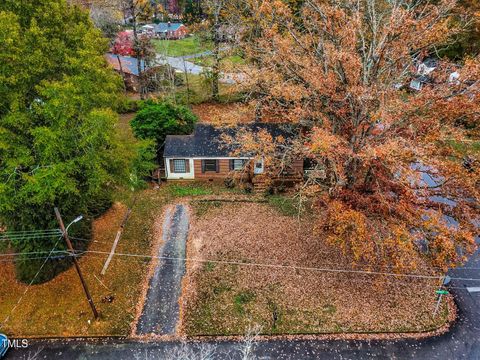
(228, 61)
(189, 190)
(241, 299)
(465, 147)
(209, 266)
(285, 205)
(329, 309)
(189, 46)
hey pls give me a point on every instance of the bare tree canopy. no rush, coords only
(394, 189)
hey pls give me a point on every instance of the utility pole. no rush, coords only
(77, 266)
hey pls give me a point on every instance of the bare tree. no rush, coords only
(134, 11)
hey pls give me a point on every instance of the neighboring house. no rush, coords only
(205, 155)
(148, 30)
(154, 77)
(166, 30)
(127, 66)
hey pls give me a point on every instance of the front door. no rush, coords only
(258, 169)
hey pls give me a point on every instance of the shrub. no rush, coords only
(157, 120)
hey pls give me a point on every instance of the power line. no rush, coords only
(37, 237)
(32, 253)
(30, 234)
(242, 263)
(397, 282)
(29, 231)
(38, 258)
(292, 267)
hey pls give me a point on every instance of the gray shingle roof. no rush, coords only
(129, 64)
(206, 139)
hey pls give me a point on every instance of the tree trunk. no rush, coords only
(137, 52)
(216, 60)
(121, 72)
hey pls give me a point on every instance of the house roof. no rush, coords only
(206, 140)
(164, 27)
(129, 64)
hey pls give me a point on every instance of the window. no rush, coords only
(210, 165)
(238, 164)
(179, 166)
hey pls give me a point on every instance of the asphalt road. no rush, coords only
(182, 64)
(462, 342)
(160, 312)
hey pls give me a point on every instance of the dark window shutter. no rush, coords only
(203, 166)
(217, 164)
(231, 164)
(172, 170)
(187, 165)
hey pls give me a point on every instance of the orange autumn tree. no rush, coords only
(395, 187)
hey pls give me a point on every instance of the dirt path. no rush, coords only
(160, 311)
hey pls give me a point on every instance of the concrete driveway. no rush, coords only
(160, 311)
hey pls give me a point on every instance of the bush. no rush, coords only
(157, 120)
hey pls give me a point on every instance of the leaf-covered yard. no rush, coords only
(222, 298)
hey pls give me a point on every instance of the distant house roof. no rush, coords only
(206, 140)
(164, 27)
(129, 64)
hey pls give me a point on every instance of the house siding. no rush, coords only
(297, 166)
(223, 171)
(194, 170)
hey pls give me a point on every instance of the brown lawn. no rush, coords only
(225, 299)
